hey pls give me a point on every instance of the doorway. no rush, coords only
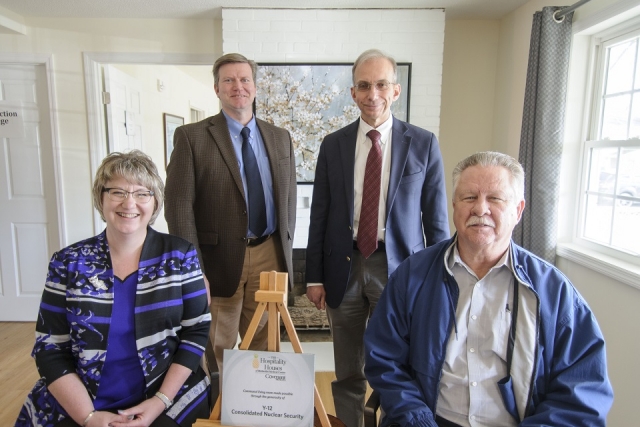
(158, 94)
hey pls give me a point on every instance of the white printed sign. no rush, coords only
(267, 389)
(11, 120)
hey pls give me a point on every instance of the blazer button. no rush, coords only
(348, 258)
(244, 212)
(349, 228)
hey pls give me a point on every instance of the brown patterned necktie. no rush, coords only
(368, 224)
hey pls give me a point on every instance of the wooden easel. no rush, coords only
(272, 297)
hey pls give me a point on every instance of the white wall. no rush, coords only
(323, 35)
(615, 306)
(316, 35)
(467, 115)
(67, 39)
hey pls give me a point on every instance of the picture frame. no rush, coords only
(170, 123)
(311, 100)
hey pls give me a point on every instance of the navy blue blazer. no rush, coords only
(416, 204)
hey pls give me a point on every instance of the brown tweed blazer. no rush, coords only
(205, 201)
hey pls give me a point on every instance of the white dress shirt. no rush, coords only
(363, 145)
(476, 357)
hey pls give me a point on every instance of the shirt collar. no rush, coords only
(453, 257)
(384, 128)
(235, 127)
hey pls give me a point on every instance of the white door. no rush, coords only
(28, 212)
(123, 110)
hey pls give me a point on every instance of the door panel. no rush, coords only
(123, 113)
(28, 218)
(30, 247)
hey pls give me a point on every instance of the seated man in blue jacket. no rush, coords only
(476, 331)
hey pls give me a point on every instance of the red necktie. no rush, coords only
(368, 224)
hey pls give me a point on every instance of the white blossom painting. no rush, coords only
(313, 100)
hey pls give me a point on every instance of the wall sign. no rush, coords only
(11, 120)
(267, 389)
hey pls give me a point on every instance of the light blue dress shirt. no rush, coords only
(257, 144)
(476, 356)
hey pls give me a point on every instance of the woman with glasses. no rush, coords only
(124, 318)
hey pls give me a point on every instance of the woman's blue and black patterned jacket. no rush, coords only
(172, 322)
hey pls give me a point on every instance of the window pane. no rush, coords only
(629, 176)
(610, 203)
(622, 57)
(602, 172)
(630, 162)
(598, 218)
(615, 117)
(634, 125)
(626, 228)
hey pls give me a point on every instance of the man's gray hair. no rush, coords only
(233, 58)
(493, 158)
(374, 54)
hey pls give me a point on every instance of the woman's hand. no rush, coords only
(143, 414)
(104, 419)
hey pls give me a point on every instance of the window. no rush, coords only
(610, 200)
(196, 115)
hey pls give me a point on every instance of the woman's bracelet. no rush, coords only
(167, 402)
(86, 420)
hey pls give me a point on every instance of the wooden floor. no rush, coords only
(18, 371)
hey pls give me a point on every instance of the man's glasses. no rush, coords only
(119, 195)
(380, 86)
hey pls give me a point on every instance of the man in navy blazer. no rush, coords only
(412, 214)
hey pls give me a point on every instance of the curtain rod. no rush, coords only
(559, 14)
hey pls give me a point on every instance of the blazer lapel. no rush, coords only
(347, 146)
(399, 152)
(220, 133)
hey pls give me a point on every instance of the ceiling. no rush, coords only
(455, 9)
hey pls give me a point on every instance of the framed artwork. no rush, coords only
(313, 100)
(170, 123)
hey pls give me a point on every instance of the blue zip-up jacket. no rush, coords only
(559, 372)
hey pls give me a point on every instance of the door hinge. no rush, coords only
(106, 98)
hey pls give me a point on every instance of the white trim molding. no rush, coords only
(615, 268)
(12, 23)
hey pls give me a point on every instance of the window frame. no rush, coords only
(608, 260)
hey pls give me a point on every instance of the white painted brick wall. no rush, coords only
(330, 35)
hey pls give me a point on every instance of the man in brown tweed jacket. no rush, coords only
(206, 201)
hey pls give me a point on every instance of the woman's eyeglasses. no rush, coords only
(119, 195)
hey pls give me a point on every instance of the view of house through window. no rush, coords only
(611, 200)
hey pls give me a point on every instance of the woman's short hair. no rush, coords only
(137, 168)
(493, 158)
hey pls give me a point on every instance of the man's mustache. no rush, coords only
(480, 220)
